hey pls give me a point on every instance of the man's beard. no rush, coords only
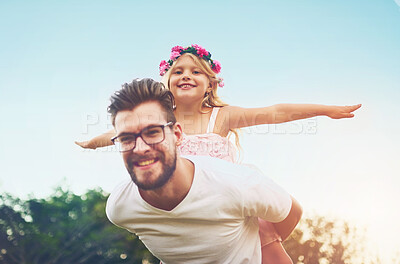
(168, 168)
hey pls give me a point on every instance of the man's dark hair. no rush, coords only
(140, 91)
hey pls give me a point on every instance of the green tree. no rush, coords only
(64, 229)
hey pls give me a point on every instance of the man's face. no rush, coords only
(150, 167)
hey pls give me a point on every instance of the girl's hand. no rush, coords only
(337, 112)
(85, 144)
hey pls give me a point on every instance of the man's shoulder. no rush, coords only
(219, 167)
(209, 163)
(120, 192)
(120, 200)
(197, 159)
(127, 183)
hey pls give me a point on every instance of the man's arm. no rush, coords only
(286, 227)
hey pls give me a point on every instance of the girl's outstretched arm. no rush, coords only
(238, 117)
(102, 140)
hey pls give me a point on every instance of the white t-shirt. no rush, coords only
(215, 223)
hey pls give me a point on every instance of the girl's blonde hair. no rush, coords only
(211, 99)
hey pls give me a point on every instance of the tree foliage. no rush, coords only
(64, 229)
(67, 228)
(323, 241)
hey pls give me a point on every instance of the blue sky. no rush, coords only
(61, 60)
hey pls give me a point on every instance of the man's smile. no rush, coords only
(143, 163)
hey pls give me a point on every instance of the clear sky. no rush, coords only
(61, 60)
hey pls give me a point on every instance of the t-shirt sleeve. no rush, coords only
(263, 198)
(116, 204)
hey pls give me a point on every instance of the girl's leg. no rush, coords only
(271, 247)
(274, 253)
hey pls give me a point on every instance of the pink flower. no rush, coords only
(221, 82)
(194, 49)
(163, 62)
(177, 49)
(217, 66)
(164, 66)
(200, 50)
(197, 47)
(175, 55)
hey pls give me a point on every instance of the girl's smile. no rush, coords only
(186, 86)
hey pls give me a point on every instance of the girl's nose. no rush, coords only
(185, 76)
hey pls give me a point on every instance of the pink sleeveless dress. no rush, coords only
(208, 144)
(214, 145)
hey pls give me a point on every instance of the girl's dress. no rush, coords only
(214, 145)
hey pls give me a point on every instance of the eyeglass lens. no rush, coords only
(151, 135)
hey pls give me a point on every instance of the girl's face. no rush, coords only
(188, 83)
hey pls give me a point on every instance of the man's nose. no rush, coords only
(141, 146)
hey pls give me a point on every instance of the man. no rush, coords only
(187, 209)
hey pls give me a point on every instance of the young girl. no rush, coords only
(191, 75)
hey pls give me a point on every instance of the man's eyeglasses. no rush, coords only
(150, 135)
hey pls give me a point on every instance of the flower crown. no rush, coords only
(195, 49)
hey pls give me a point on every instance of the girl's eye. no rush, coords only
(196, 72)
(178, 72)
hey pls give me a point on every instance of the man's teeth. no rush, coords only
(146, 162)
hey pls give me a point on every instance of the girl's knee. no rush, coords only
(274, 253)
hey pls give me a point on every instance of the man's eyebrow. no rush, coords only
(132, 133)
(126, 133)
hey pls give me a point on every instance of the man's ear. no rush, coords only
(178, 133)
